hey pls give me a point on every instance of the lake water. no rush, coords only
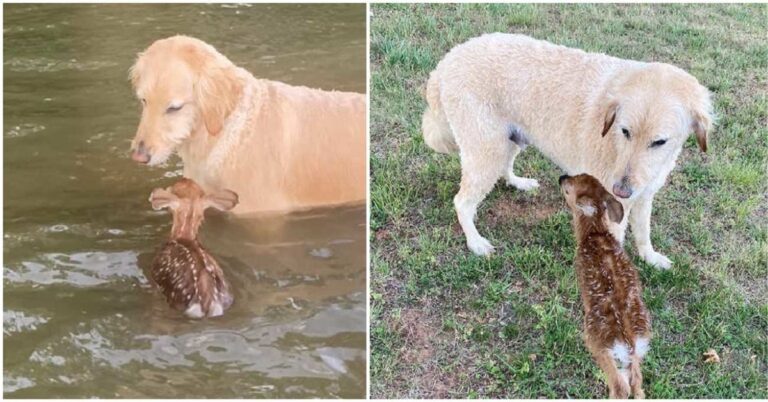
(80, 317)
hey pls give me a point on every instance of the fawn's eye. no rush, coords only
(625, 131)
(143, 101)
(658, 143)
(174, 108)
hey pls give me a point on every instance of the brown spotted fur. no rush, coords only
(183, 269)
(608, 282)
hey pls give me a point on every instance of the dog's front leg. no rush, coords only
(640, 220)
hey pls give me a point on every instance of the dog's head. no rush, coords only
(647, 115)
(183, 85)
(586, 197)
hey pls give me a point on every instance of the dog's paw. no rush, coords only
(522, 183)
(658, 260)
(480, 246)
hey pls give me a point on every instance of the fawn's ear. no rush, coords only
(614, 208)
(586, 206)
(162, 198)
(223, 200)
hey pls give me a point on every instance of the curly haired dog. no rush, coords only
(621, 121)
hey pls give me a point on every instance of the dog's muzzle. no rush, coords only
(623, 188)
(141, 153)
(562, 179)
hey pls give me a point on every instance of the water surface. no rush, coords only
(80, 317)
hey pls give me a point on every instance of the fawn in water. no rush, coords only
(617, 323)
(189, 277)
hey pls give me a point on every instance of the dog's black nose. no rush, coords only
(562, 178)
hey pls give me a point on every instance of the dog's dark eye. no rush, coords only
(143, 101)
(658, 143)
(625, 131)
(172, 109)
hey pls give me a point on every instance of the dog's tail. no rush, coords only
(434, 124)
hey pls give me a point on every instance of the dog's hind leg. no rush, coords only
(521, 183)
(476, 183)
(483, 151)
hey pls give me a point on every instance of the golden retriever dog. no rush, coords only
(621, 121)
(280, 147)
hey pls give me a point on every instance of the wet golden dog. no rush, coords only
(280, 147)
(621, 121)
(617, 326)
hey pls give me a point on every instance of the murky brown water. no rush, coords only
(80, 318)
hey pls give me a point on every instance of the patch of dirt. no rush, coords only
(506, 210)
(420, 333)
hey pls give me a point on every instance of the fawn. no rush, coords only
(189, 277)
(617, 323)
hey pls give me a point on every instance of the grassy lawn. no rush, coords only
(446, 323)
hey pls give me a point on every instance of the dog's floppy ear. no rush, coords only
(222, 200)
(613, 207)
(610, 116)
(217, 89)
(162, 198)
(701, 124)
(702, 115)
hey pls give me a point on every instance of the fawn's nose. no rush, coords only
(562, 179)
(141, 153)
(623, 189)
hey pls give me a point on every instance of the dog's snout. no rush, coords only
(562, 179)
(622, 189)
(141, 153)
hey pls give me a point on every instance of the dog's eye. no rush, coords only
(658, 143)
(625, 131)
(173, 108)
(143, 101)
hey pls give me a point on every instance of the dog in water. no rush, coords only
(617, 326)
(280, 147)
(622, 121)
(186, 273)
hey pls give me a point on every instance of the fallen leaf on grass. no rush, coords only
(711, 356)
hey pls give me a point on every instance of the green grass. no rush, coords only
(446, 323)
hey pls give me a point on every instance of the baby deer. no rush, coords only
(187, 274)
(617, 324)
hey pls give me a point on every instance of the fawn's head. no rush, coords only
(188, 202)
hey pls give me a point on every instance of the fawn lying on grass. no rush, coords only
(617, 324)
(187, 274)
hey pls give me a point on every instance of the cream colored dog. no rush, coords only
(278, 146)
(622, 121)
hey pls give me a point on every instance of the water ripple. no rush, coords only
(18, 321)
(78, 269)
(46, 65)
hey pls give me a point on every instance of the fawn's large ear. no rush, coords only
(223, 200)
(611, 109)
(614, 208)
(586, 205)
(162, 198)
